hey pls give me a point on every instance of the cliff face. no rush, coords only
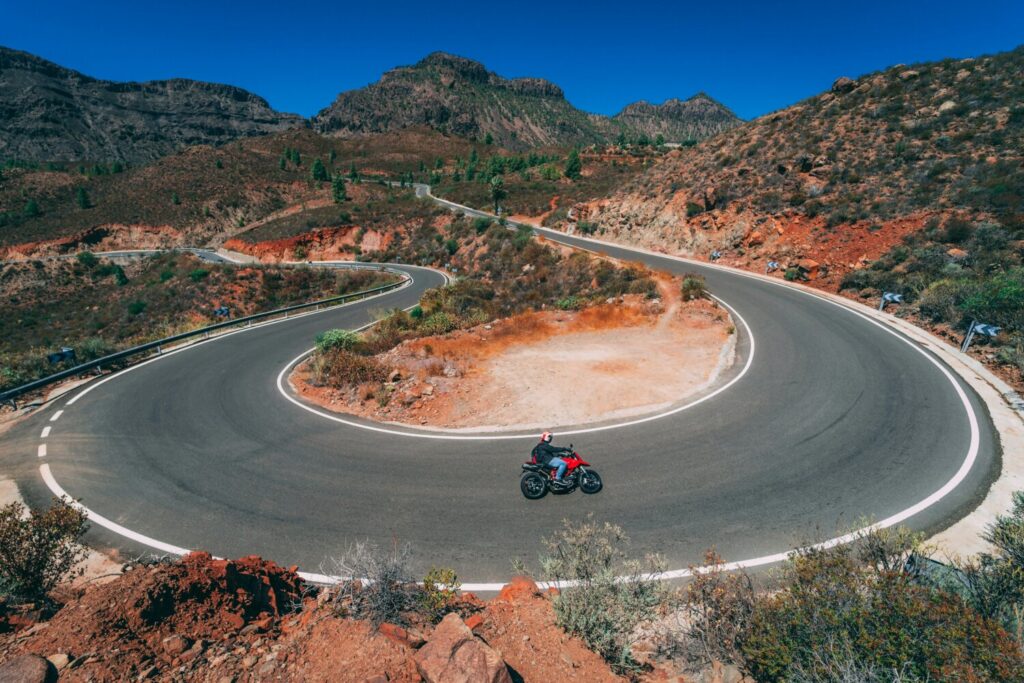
(677, 120)
(461, 97)
(50, 113)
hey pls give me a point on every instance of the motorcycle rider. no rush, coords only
(548, 455)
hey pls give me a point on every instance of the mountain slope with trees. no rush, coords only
(51, 113)
(460, 96)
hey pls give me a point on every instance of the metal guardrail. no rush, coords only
(11, 394)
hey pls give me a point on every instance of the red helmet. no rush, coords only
(546, 437)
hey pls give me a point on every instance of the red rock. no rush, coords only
(519, 587)
(474, 622)
(809, 267)
(400, 635)
(27, 669)
(755, 239)
(455, 655)
(175, 645)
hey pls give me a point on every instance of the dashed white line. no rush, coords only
(56, 416)
(42, 450)
(46, 432)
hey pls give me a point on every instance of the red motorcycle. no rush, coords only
(537, 479)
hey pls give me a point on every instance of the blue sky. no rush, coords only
(753, 56)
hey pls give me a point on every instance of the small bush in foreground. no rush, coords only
(340, 368)
(378, 583)
(336, 339)
(717, 608)
(602, 610)
(693, 287)
(39, 550)
(856, 600)
(440, 591)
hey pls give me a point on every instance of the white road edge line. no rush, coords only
(196, 344)
(42, 450)
(942, 492)
(46, 432)
(507, 437)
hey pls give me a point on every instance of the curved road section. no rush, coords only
(836, 419)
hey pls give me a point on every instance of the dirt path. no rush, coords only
(548, 369)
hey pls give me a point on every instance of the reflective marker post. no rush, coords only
(889, 298)
(978, 328)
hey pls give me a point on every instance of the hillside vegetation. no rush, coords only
(908, 180)
(97, 307)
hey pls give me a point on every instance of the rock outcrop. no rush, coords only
(51, 113)
(454, 655)
(677, 120)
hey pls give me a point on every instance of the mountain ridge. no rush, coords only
(49, 112)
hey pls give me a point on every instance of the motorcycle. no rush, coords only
(537, 480)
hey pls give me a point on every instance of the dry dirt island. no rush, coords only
(544, 369)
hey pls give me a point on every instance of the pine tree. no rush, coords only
(82, 197)
(573, 166)
(282, 164)
(353, 173)
(31, 209)
(338, 189)
(488, 139)
(498, 191)
(318, 171)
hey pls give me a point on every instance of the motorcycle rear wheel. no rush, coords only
(590, 482)
(533, 485)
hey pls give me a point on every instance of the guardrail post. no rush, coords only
(159, 350)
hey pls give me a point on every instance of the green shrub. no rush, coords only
(693, 209)
(480, 225)
(440, 591)
(693, 287)
(136, 307)
(93, 348)
(416, 313)
(336, 339)
(39, 550)
(570, 303)
(198, 274)
(166, 275)
(87, 259)
(439, 322)
(599, 608)
(792, 274)
(855, 598)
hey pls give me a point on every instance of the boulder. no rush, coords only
(454, 655)
(755, 239)
(27, 669)
(809, 268)
(175, 645)
(519, 587)
(909, 74)
(843, 85)
(947, 105)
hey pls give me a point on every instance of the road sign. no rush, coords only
(222, 311)
(715, 255)
(772, 265)
(65, 353)
(890, 298)
(978, 328)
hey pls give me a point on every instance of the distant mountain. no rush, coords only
(461, 97)
(677, 120)
(50, 113)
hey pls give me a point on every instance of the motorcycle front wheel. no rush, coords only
(533, 485)
(590, 482)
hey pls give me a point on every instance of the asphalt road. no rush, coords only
(835, 420)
